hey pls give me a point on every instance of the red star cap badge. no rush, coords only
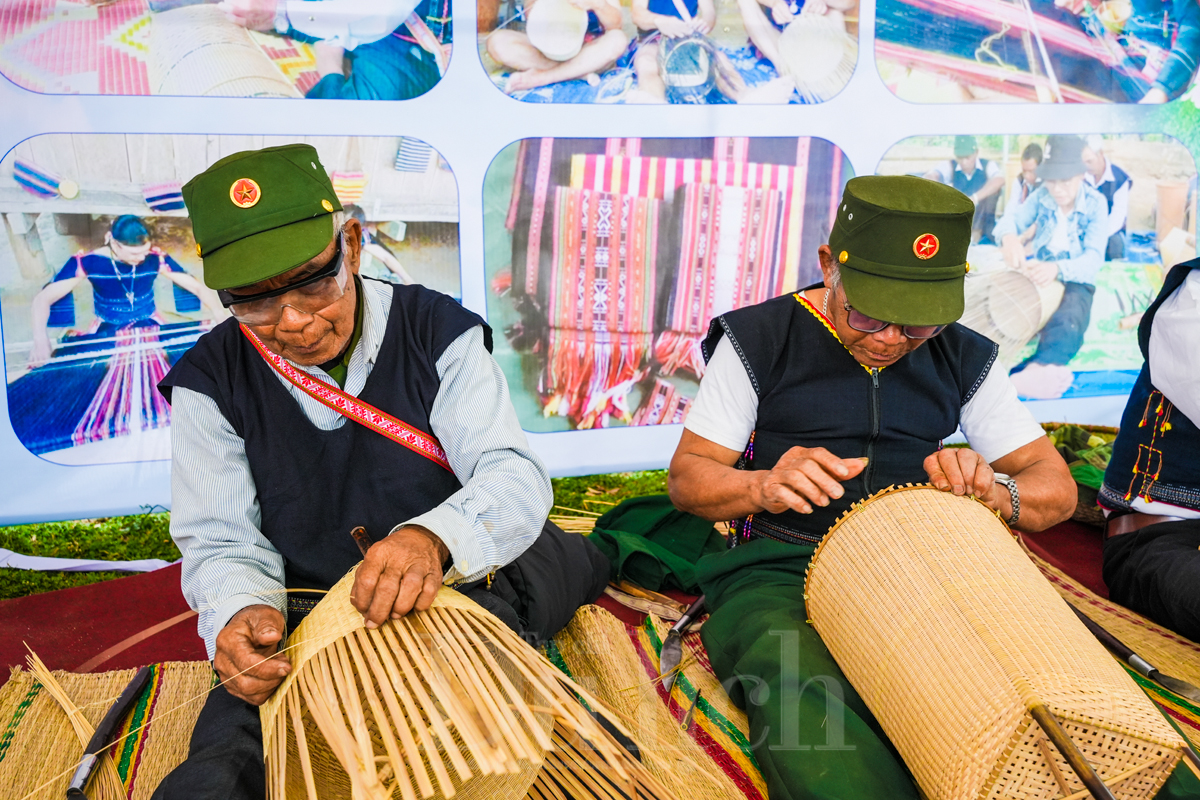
(926, 246)
(244, 193)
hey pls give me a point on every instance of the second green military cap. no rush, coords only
(259, 213)
(901, 245)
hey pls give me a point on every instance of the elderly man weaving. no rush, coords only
(814, 401)
(270, 475)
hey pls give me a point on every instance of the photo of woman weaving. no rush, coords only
(609, 257)
(98, 306)
(1039, 51)
(669, 51)
(326, 49)
(1062, 271)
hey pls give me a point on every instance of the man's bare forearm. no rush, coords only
(711, 490)
(1048, 495)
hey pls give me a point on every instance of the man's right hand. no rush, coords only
(674, 28)
(805, 477)
(257, 15)
(1013, 251)
(246, 656)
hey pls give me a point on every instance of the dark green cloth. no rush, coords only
(755, 595)
(654, 545)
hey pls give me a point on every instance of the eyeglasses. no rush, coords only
(864, 324)
(309, 295)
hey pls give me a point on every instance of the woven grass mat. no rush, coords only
(39, 749)
(1168, 651)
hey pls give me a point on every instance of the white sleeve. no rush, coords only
(995, 421)
(726, 407)
(1175, 348)
(348, 23)
(993, 169)
(227, 562)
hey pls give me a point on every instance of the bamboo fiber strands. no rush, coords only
(442, 703)
(46, 719)
(818, 54)
(1009, 308)
(950, 634)
(194, 50)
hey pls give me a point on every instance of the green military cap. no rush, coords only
(259, 213)
(901, 244)
(964, 145)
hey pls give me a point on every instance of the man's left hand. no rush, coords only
(963, 471)
(399, 574)
(257, 15)
(1041, 272)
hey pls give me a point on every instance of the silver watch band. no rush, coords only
(1011, 485)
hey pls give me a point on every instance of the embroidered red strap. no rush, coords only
(353, 408)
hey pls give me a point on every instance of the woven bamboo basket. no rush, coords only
(952, 637)
(195, 50)
(443, 703)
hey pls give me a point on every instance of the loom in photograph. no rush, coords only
(1009, 308)
(957, 644)
(447, 702)
(196, 51)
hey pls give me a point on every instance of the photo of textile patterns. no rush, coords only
(124, 47)
(621, 259)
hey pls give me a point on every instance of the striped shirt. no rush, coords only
(229, 564)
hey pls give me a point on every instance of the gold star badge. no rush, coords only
(244, 193)
(926, 246)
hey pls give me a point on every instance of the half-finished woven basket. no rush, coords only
(951, 636)
(443, 703)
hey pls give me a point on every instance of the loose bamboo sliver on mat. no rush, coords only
(951, 635)
(444, 702)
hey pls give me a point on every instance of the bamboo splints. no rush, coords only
(442, 703)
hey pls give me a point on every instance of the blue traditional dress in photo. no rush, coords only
(100, 382)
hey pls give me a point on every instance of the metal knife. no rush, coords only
(104, 731)
(1117, 648)
(672, 649)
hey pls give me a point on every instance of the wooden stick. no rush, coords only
(1075, 759)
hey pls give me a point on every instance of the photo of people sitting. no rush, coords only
(669, 51)
(97, 307)
(1077, 250)
(1042, 51)
(325, 49)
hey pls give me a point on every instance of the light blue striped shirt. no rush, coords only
(227, 562)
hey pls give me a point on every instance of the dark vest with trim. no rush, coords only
(314, 486)
(813, 393)
(1109, 188)
(1155, 454)
(968, 186)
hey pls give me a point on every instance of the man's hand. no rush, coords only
(963, 471)
(41, 351)
(674, 28)
(257, 15)
(1041, 272)
(399, 574)
(1013, 251)
(805, 477)
(1154, 96)
(247, 645)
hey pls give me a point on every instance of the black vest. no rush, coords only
(1109, 188)
(1155, 455)
(314, 486)
(813, 393)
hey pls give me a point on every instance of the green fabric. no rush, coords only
(755, 594)
(654, 545)
(287, 224)
(1087, 454)
(875, 238)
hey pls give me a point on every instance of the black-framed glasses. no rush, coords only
(864, 324)
(313, 293)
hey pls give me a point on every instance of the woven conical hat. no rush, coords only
(951, 636)
(442, 703)
(557, 28)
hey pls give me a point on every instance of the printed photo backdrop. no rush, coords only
(398, 50)
(1129, 209)
(607, 259)
(1046, 51)
(101, 289)
(669, 51)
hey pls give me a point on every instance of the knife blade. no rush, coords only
(1123, 652)
(672, 649)
(104, 731)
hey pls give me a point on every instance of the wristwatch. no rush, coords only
(1011, 485)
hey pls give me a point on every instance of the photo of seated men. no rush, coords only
(326, 49)
(1081, 237)
(1048, 51)
(669, 51)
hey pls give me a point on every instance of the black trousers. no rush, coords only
(1156, 572)
(1062, 335)
(225, 759)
